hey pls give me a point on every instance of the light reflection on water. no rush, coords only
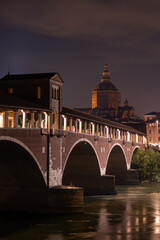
(134, 213)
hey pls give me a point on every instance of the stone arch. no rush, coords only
(82, 168)
(85, 140)
(116, 164)
(14, 140)
(21, 178)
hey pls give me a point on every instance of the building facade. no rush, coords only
(152, 121)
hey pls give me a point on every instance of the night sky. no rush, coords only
(77, 37)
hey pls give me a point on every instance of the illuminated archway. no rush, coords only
(116, 164)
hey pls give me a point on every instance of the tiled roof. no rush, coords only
(8, 100)
(151, 113)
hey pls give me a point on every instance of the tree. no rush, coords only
(147, 164)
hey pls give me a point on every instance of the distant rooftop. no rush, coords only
(152, 113)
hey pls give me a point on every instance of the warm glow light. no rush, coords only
(137, 220)
(1, 120)
(23, 118)
(157, 122)
(92, 124)
(80, 126)
(157, 219)
(128, 229)
(157, 230)
(128, 136)
(45, 121)
(65, 123)
(144, 219)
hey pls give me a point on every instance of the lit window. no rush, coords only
(38, 92)
(10, 90)
(1, 120)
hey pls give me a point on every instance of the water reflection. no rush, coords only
(132, 214)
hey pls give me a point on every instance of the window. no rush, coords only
(158, 139)
(10, 90)
(52, 93)
(150, 139)
(150, 131)
(55, 93)
(159, 131)
(38, 92)
(58, 95)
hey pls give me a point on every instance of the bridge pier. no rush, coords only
(60, 199)
(103, 185)
(131, 178)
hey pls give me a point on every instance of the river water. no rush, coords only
(134, 213)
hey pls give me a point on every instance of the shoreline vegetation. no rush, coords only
(147, 163)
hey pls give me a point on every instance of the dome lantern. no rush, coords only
(106, 75)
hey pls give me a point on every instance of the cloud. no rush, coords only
(121, 21)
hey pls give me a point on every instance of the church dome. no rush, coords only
(106, 96)
(106, 86)
(106, 81)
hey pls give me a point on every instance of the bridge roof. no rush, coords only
(92, 118)
(30, 76)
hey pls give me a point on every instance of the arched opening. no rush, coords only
(82, 168)
(22, 186)
(117, 165)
